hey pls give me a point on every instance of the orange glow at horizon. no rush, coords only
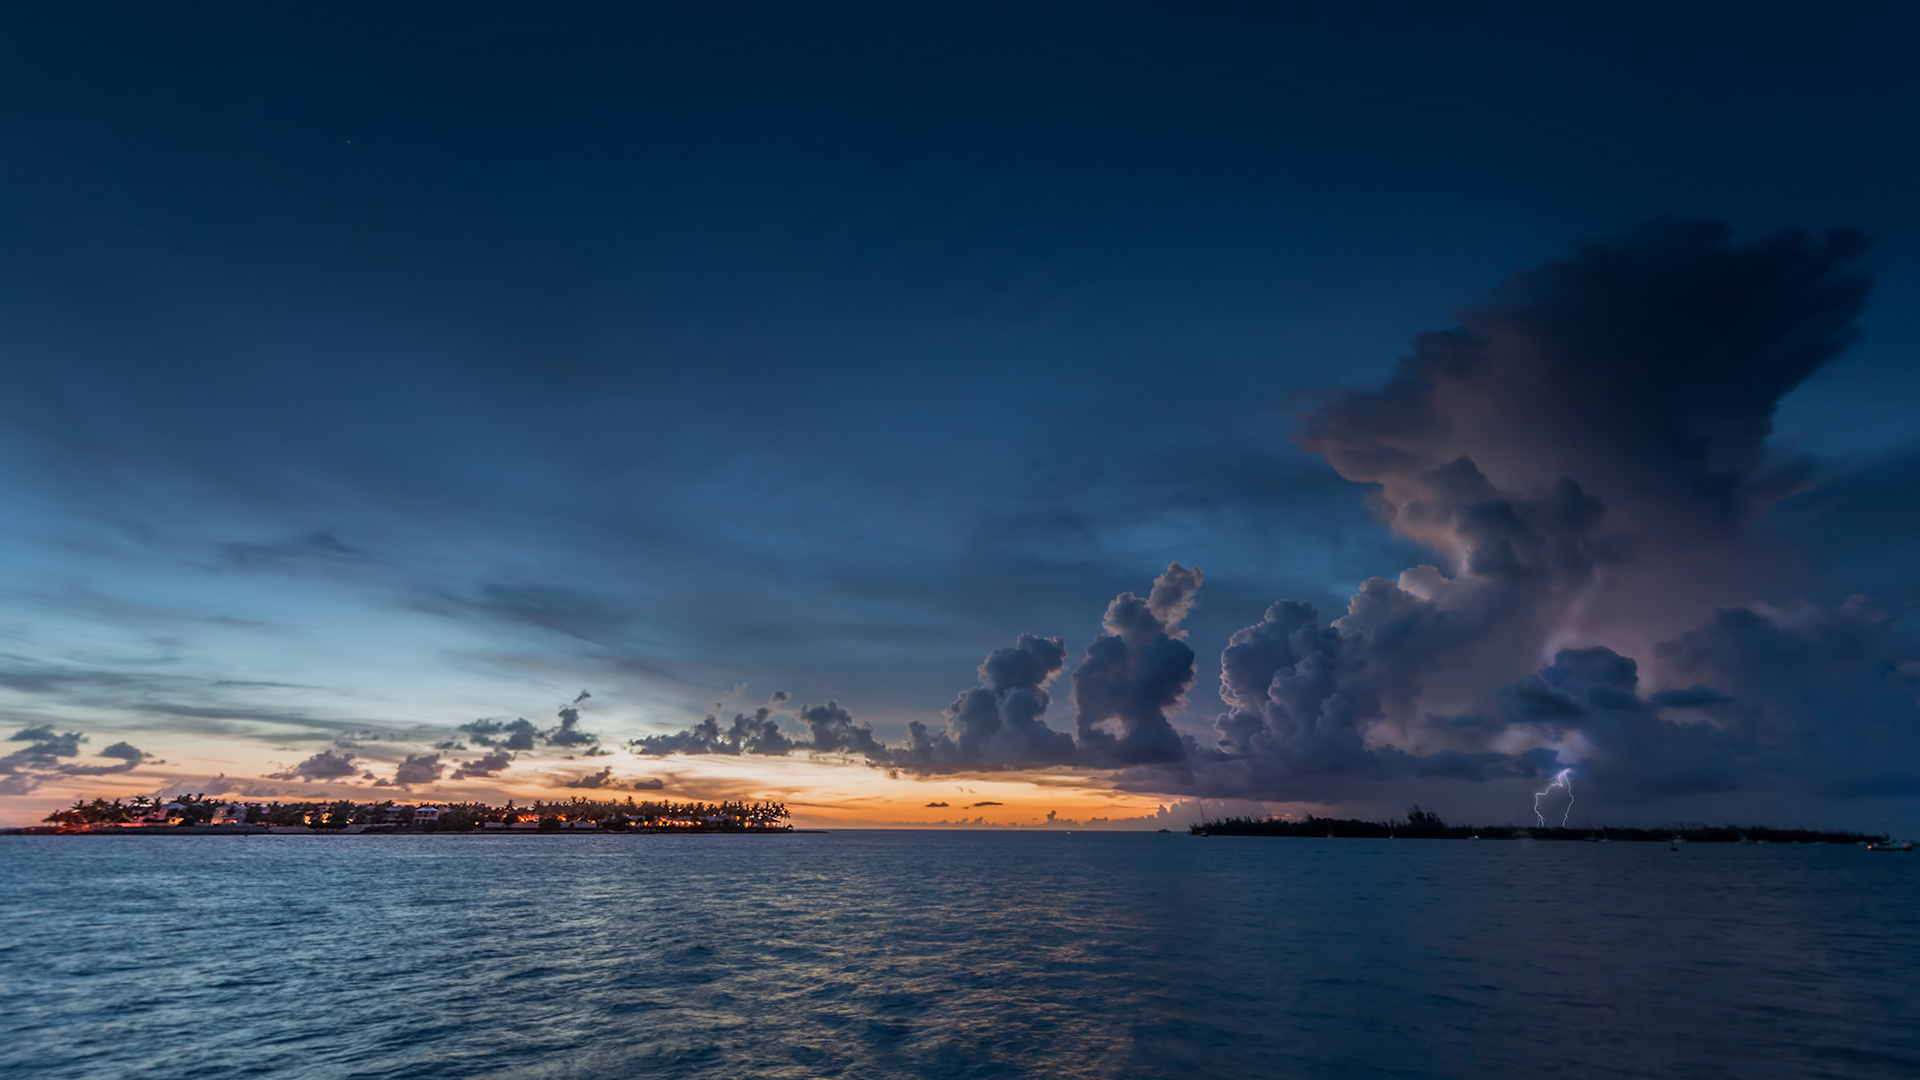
(819, 792)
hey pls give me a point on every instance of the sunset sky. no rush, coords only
(375, 379)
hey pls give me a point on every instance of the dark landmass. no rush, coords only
(1426, 825)
(199, 814)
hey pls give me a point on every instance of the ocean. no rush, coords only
(951, 954)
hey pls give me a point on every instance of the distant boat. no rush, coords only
(1891, 845)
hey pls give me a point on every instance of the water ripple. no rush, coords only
(949, 955)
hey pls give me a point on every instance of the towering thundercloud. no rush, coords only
(1586, 456)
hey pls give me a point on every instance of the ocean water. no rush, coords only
(974, 954)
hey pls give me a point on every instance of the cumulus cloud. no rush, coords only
(522, 734)
(1609, 409)
(601, 779)
(1136, 673)
(1000, 723)
(835, 731)
(487, 767)
(45, 747)
(651, 783)
(757, 732)
(125, 751)
(1585, 454)
(516, 735)
(569, 733)
(325, 765)
(416, 769)
(40, 760)
(1587, 457)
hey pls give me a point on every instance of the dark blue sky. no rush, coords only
(437, 361)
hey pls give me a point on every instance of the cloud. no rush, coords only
(318, 549)
(1586, 454)
(522, 734)
(40, 760)
(488, 766)
(325, 765)
(45, 747)
(831, 729)
(750, 733)
(1139, 671)
(935, 805)
(1135, 673)
(834, 730)
(986, 803)
(651, 783)
(570, 612)
(569, 732)
(417, 769)
(125, 752)
(519, 734)
(601, 779)
(1611, 409)
(999, 723)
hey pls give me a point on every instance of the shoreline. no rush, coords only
(377, 830)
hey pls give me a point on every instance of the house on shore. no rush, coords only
(415, 816)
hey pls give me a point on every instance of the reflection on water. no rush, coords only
(873, 954)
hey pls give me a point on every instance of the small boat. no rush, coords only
(1891, 845)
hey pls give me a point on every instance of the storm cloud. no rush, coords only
(999, 723)
(1586, 455)
(1135, 675)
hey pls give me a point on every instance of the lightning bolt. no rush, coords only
(1564, 781)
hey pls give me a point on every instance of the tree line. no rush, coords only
(547, 815)
(1423, 824)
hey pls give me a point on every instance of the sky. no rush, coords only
(1043, 415)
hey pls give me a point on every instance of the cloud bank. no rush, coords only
(1131, 681)
(41, 759)
(1586, 455)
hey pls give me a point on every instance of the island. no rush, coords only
(207, 814)
(1423, 824)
